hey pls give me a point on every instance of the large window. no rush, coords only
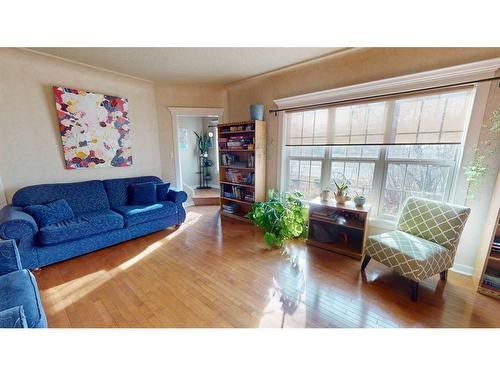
(386, 150)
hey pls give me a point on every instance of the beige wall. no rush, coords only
(180, 96)
(30, 144)
(343, 69)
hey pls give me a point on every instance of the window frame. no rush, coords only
(444, 76)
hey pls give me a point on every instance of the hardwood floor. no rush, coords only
(213, 273)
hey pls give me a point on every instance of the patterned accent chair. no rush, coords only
(424, 243)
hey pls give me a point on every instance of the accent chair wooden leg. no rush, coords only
(365, 262)
(414, 290)
(443, 275)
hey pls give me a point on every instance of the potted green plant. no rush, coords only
(341, 193)
(283, 217)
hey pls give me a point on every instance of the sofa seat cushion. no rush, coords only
(19, 288)
(134, 215)
(411, 256)
(83, 225)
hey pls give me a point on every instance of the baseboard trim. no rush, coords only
(463, 269)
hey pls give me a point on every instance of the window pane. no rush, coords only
(391, 201)
(413, 179)
(359, 175)
(305, 176)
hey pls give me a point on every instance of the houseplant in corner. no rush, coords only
(283, 217)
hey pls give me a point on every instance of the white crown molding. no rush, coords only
(450, 75)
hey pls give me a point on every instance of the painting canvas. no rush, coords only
(94, 128)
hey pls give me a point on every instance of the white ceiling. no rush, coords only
(190, 65)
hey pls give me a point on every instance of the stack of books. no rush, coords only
(230, 208)
(238, 141)
(490, 280)
(495, 246)
(249, 197)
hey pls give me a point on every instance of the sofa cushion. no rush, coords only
(82, 197)
(50, 213)
(19, 289)
(162, 191)
(143, 193)
(137, 214)
(83, 225)
(13, 318)
(118, 192)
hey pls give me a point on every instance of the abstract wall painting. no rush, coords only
(94, 128)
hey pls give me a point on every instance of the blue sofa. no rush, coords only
(20, 305)
(103, 217)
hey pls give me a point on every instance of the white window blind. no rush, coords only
(435, 118)
(386, 150)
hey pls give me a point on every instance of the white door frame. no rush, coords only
(177, 112)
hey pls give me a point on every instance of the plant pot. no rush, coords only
(341, 199)
(325, 195)
(359, 201)
(257, 112)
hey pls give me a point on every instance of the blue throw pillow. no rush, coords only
(143, 193)
(162, 191)
(50, 213)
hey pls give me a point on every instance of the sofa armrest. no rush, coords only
(13, 318)
(177, 196)
(10, 260)
(15, 224)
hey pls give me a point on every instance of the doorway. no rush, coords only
(196, 153)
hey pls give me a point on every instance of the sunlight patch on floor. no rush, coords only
(73, 290)
(191, 219)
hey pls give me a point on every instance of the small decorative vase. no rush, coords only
(257, 112)
(325, 195)
(359, 200)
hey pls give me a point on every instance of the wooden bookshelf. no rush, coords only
(346, 236)
(488, 261)
(491, 266)
(248, 130)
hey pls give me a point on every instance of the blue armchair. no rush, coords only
(20, 304)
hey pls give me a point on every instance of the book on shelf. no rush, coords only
(229, 159)
(234, 176)
(239, 141)
(251, 161)
(231, 207)
(239, 128)
(491, 280)
(250, 179)
(249, 197)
